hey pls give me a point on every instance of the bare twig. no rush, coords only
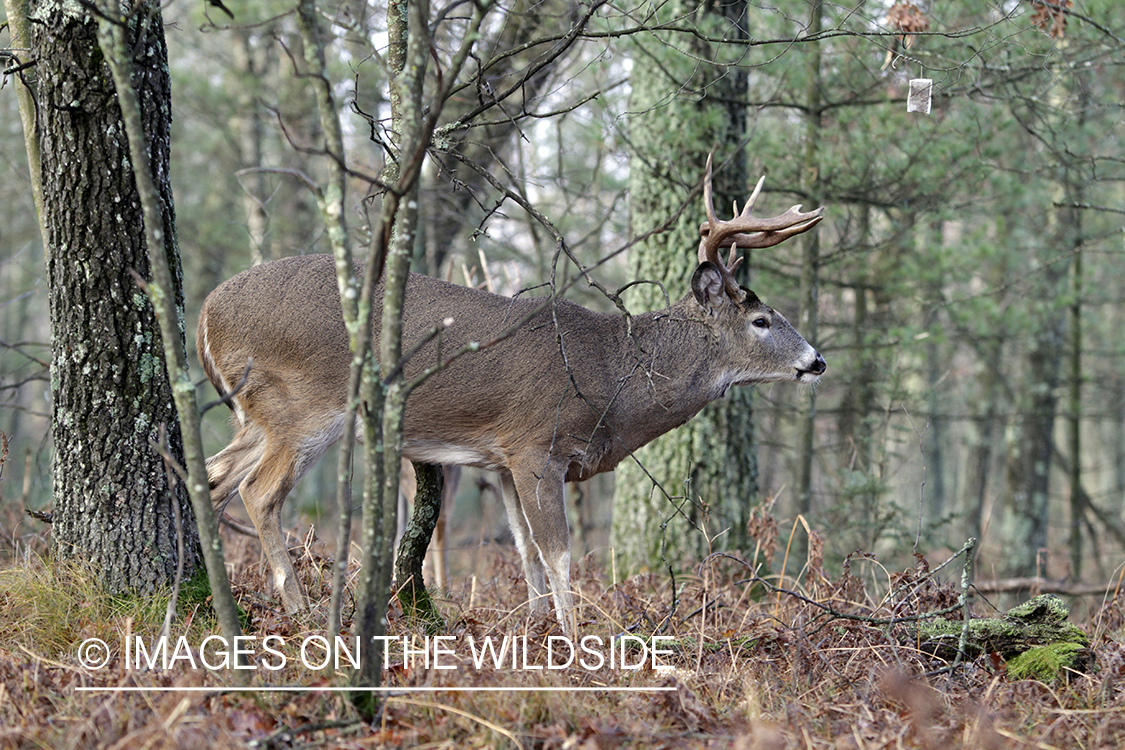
(18, 348)
(226, 398)
(172, 470)
(832, 612)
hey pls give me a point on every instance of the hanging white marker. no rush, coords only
(921, 92)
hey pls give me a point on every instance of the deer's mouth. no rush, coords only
(813, 372)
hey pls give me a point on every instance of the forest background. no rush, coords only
(965, 287)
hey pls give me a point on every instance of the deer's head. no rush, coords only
(760, 343)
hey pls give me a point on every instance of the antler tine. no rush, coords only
(752, 231)
(767, 237)
(709, 207)
(753, 198)
(733, 262)
(746, 230)
(710, 241)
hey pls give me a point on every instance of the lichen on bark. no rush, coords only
(110, 391)
(682, 109)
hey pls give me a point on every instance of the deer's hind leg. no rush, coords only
(263, 492)
(227, 468)
(282, 461)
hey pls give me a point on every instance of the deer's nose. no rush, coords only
(815, 369)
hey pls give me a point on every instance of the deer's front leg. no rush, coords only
(533, 570)
(539, 489)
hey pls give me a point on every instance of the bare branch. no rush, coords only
(227, 398)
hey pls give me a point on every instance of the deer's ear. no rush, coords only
(707, 285)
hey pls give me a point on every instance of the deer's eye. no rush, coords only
(762, 323)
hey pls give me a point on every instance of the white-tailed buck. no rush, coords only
(568, 395)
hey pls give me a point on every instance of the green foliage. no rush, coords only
(947, 278)
(52, 605)
(420, 609)
(194, 600)
(195, 591)
(1047, 663)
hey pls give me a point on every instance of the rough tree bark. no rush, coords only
(683, 109)
(110, 389)
(114, 38)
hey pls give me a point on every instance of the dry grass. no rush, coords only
(751, 669)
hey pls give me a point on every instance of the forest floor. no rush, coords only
(744, 667)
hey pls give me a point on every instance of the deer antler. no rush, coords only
(746, 230)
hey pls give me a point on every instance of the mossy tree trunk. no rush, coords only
(110, 389)
(682, 109)
(412, 591)
(808, 316)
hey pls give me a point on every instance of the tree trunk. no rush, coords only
(709, 466)
(810, 263)
(1074, 406)
(980, 440)
(251, 135)
(110, 388)
(413, 595)
(937, 367)
(1032, 447)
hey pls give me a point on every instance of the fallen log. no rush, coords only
(1034, 639)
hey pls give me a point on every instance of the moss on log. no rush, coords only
(1033, 638)
(1048, 663)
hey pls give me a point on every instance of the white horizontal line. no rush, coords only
(323, 689)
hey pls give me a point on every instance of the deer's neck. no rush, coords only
(672, 370)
